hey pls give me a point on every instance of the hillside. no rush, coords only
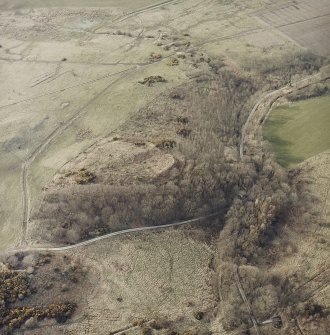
(164, 167)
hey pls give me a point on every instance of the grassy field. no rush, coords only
(299, 130)
(4, 4)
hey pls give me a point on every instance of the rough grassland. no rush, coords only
(299, 130)
(76, 3)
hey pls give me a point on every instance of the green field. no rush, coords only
(299, 130)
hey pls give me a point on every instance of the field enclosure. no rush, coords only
(299, 130)
(306, 22)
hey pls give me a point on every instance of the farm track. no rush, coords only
(145, 9)
(228, 37)
(322, 282)
(123, 331)
(200, 6)
(315, 276)
(26, 164)
(106, 236)
(56, 132)
(59, 130)
(81, 84)
(41, 61)
(244, 298)
(38, 96)
(298, 327)
(316, 291)
(48, 77)
(276, 310)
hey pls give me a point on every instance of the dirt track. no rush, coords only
(144, 9)
(244, 298)
(58, 131)
(122, 232)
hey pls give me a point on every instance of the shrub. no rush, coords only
(149, 81)
(172, 62)
(198, 315)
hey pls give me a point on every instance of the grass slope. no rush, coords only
(299, 130)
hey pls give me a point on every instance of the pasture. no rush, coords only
(300, 130)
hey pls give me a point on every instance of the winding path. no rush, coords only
(56, 132)
(103, 237)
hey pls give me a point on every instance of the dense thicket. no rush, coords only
(312, 91)
(276, 71)
(211, 115)
(267, 196)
